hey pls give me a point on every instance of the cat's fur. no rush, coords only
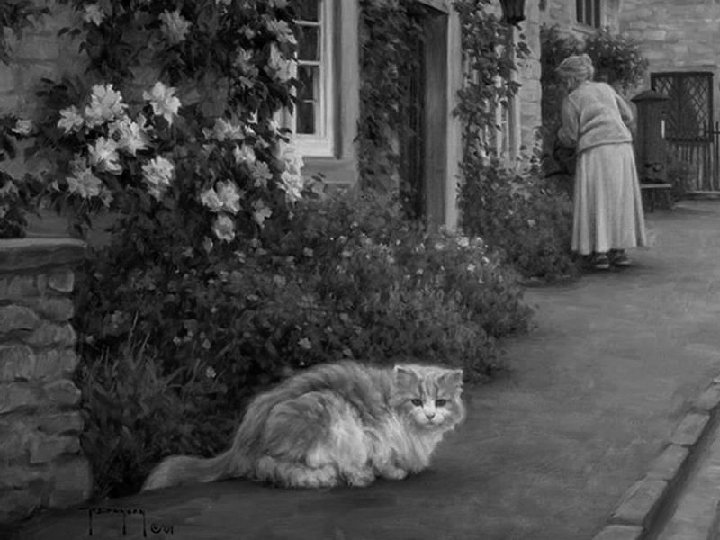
(334, 424)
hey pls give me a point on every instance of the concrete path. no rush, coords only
(546, 453)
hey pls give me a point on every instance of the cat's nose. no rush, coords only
(430, 415)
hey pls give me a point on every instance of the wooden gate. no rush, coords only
(690, 126)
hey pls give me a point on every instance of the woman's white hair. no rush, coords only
(576, 69)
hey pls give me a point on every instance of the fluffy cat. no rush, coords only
(331, 425)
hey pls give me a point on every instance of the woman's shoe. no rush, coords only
(619, 258)
(601, 262)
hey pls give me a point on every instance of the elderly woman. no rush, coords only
(608, 213)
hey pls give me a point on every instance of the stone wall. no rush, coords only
(529, 73)
(41, 464)
(676, 35)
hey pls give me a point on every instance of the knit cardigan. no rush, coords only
(594, 114)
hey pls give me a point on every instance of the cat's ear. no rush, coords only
(453, 378)
(405, 373)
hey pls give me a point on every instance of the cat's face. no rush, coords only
(429, 396)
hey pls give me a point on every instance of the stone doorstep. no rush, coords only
(636, 510)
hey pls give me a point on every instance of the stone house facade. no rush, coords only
(326, 121)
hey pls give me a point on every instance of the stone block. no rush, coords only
(53, 364)
(14, 318)
(73, 483)
(62, 281)
(639, 503)
(690, 429)
(667, 465)
(12, 446)
(62, 423)
(709, 399)
(17, 504)
(14, 396)
(49, 334)
(62, 393)
(20, 287)
(44, 449)
(54, 309)
(17, 363)
(19, 477)
(619, 532)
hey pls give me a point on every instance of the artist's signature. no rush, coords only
(127, 512)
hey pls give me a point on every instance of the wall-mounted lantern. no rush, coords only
(513, 11)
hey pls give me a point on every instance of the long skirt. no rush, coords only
(607, 199)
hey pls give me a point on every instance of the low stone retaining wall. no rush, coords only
(41, 463)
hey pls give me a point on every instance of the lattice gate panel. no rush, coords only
(690, 127)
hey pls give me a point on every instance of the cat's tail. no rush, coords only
(176, 470)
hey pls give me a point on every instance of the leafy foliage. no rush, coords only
(390, 37)
(17, 195)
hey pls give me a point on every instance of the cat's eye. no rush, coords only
(416, 402)
(440, 402)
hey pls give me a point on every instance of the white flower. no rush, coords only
(261, 213)
(292, 185)
(281, 66)
(305, 344)
(94, 14)
(224, 228)
(174, 26)
(163, 101)
(209, 198)
(104, 156)
(22, 127)
(158, 174)
(261, 173)
(70, 119)
(280, 4)
(463, 242)
(243, 60)
(245, 154)
(105, 105)
(132, 135)
(281, 29)
(287, 153)
(225, 130)
(84, 183)
(229, 196)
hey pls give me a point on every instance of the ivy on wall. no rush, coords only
(389, 35)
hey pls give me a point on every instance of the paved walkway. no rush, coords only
(545, 454)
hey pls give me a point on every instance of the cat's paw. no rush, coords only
(359, 478)
(393, 473)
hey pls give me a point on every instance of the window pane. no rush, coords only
(305, 117)
(588, 12)
(307, 10)
(308, 42)
(579, 10)
(308, 98)
(309, 77)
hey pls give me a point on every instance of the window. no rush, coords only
(588, 12)
(313, 118)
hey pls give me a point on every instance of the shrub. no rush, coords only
(136, 414)
(343, 278)
(523, 216)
